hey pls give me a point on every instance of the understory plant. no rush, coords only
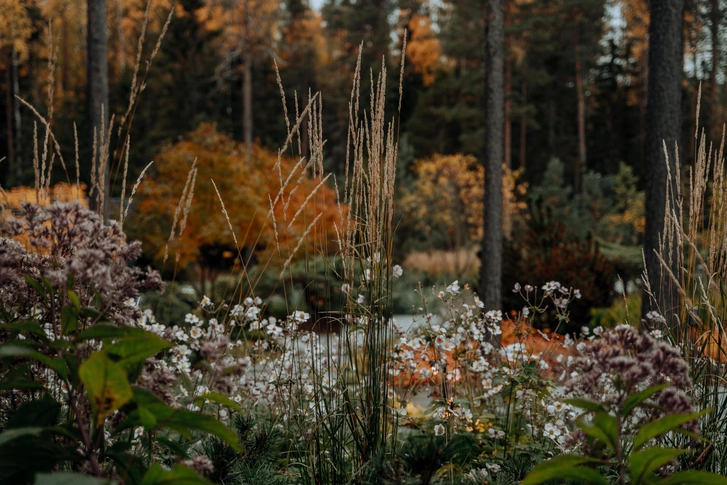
(83, 399)
(630, 390)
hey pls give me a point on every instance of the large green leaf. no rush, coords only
(179, 420)
(694, 478)
(565, 467)
(644, 463)
(586, 404)
(179, 475)
(26, 326)
(13, 434)
(65, 478)
(603, 427)
(106, 384)
(36, 413)
(110, 331)
(131, 350)
(637, 399)
(662, 426)
(16, 349)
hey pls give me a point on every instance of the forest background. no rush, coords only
(575, 120)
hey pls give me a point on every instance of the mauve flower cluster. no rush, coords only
(65, 239)
(623, 362)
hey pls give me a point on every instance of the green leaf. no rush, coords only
(635, 400)
(147, 418)
(691, 477)
(603, 427)
(110, 331)
(586, 404)
(133, 350)
(106, 384)
(69, 319)
(644, 463)
(179, 475)
(38, 412)
(218, 398)
(73, 297)
(12, 434)
(662, 426)
(180, 420)
(16, 349)
(30, 327)
(565, 467)
(36, 286)
(65, 478)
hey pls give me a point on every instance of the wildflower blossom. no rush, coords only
(439, 430)
(397, 272)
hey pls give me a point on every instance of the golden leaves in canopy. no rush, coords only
(246, 188)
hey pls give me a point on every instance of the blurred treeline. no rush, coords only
(556, 50)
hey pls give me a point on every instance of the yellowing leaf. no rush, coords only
(106, 384)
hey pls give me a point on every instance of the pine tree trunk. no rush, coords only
(714, 124)
(98, 98)
(491, 254)
(523, 127)
(663, 123)
(9, 111)
(580, 171)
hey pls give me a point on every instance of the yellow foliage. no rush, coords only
(423, 50)
(16, 26)
(13, 198)
(247, 187)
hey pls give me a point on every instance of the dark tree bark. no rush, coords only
(491, 254)
(9, 103)
(247, 84)
(98, 98)
(580, 171)
(663, 123)
(714, 124)
(524, 127)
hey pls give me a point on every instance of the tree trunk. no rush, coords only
(491, 254)
(16, 106)
(580, 171)
(98, 99)
(714, 124)
(9, 111)
(122, 38)
(663, 123)
(523, 126)
(247, 84)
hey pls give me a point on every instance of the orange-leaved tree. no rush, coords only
(181, 199)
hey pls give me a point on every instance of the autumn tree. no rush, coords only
(663, 126)
(194, 218)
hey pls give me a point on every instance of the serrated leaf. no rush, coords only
(65, 478)
(179, 475)
(106, 384)
(565, 467)
(662, 426)
(644, 463)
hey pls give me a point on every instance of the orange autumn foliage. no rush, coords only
(247, 187)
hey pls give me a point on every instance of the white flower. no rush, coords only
(368, 274)
(180, 335)
(493, 467)
(345, 287)
(138, 431)
(478, 302)
(581, 347)
(495, 315)
(248, 301)
(360, 300)
(441, 295)
(551, 286)
(657, 333)
(551, 431)
(258, 301)
(191, 318)
(526, 311)
(397, 271)
(205, 301)
(439, 430)
(585, 330)
(195, 332)
(300, 317)
(577, 294)
(495, 433)
(454, 287)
